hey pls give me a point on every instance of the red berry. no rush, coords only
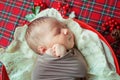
(58, 9)
(111, 29)
(42, 5)
(110, 22)
(103, 28)
(40, 2)
(63, 12)
(36, 4)
(118, 27)
(111, 25)
(103, 25)
(116, 23)
(113, 20)
(67, 5)
(59, 4)
(106, 23)
(64, 8)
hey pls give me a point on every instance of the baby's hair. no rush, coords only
(32, 36)
(38, 20)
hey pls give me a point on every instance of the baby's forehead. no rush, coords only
(48, 23)
(53, 22)
(56, 22)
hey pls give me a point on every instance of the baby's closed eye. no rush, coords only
(58, 31)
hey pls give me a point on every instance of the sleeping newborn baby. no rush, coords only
(58, 59)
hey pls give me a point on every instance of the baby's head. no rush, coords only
(44, 32)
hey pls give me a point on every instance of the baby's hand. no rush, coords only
(50, 51)
(57, 51)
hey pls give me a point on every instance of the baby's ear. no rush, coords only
(41, 49)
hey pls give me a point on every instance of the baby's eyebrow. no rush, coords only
(63, 23)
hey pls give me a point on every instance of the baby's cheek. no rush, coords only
(59, 40)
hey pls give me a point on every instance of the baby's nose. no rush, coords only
(65, 31)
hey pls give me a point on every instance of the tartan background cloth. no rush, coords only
(12, 14)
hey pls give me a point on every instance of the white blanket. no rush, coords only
(19, 58)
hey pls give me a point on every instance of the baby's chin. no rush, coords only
(70, 46)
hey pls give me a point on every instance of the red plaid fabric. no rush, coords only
(12, 14)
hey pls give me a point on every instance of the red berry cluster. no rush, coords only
(109, 26)
(42, 5)
(61, 7)
(111, 31)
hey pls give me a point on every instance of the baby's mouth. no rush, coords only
(69, 37)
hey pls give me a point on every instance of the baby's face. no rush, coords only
(58, 33)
